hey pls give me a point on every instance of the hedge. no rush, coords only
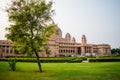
(47, 60)
(103, 59)
(108, 56)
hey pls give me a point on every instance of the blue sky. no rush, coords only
(99, 20)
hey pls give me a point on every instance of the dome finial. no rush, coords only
(73, 40)
(58, 31)
(84, 40)
(68, 37)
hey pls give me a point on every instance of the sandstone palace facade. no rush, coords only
(62, 46)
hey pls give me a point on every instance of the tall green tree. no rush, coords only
(32, 25)
(115, 51)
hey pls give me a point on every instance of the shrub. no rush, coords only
(3, 59)
(104, 60)
(12, 63)
(83, 58)
(48, 60)
(110, 56)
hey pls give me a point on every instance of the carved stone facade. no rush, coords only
(63, 46)
(69, 46)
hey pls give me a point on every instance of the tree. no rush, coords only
(32, 25)
(115, 51)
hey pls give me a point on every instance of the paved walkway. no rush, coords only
(85, 61)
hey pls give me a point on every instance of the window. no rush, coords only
(7, 51)
(10, 51)
(3, 50)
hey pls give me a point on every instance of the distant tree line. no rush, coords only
(115, 50)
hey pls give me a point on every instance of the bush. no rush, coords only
(110, 56)
(47, 60)
(3, 59)
(12, 63)
(83, 58)
(60, 60)
(104, 60)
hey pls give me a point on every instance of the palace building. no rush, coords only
(62, 46)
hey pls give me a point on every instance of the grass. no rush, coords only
(62, 71)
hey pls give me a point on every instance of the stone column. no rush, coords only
(102, 51)
(82, 50)
(9, 50)
(5, 49)
(13, 51)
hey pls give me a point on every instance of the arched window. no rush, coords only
(61, 51)
(64, 51)
(73, 51)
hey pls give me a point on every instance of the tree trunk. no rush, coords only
(39, 64)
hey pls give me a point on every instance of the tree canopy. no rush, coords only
(32, 24)
(115, 51)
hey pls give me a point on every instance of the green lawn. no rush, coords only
(62, 71)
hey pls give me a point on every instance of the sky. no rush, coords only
(99, 20)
